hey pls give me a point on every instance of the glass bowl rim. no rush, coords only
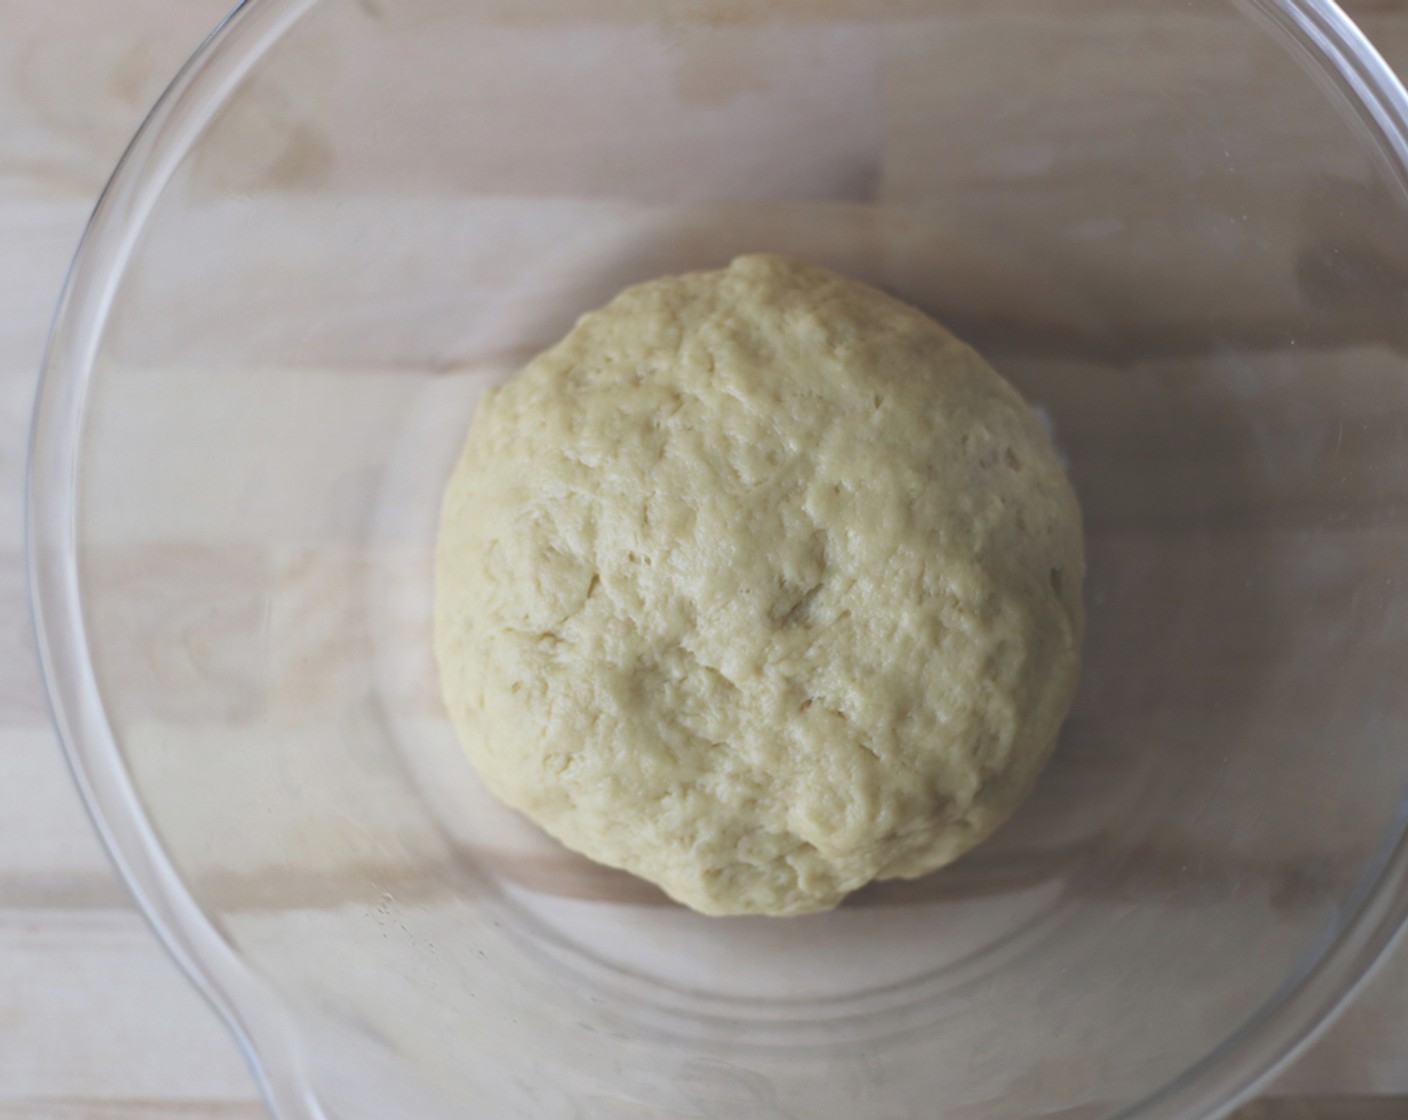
(1289, 1021)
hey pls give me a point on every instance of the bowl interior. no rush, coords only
(1175, 229)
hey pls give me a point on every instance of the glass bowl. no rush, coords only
(1179, 229)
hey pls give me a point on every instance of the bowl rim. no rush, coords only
(1240, 1065)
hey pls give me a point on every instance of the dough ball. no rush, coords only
(760, 585)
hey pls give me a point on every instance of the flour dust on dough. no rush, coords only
(760, 585)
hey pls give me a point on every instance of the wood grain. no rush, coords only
(1324, 1108)
(138, 1108)
(95, 1021)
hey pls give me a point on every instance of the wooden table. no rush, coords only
(95, 1021)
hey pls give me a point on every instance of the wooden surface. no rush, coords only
(95, 1021)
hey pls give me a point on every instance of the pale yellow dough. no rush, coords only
(760, 585)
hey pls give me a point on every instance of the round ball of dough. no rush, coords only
(760, 585)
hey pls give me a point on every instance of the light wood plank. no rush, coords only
(22, 702)
(94, 1108)
(90, 1006)
(50, 857)
(1366, 1050)
(76, 80)
(1325, 1108)
(97, 1023)
(96, 1020)
(39, 238)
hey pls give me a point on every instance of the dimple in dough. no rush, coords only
(760, 585)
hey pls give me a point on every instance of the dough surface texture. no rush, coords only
(759, 585)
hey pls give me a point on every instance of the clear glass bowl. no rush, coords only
(1180, 229)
